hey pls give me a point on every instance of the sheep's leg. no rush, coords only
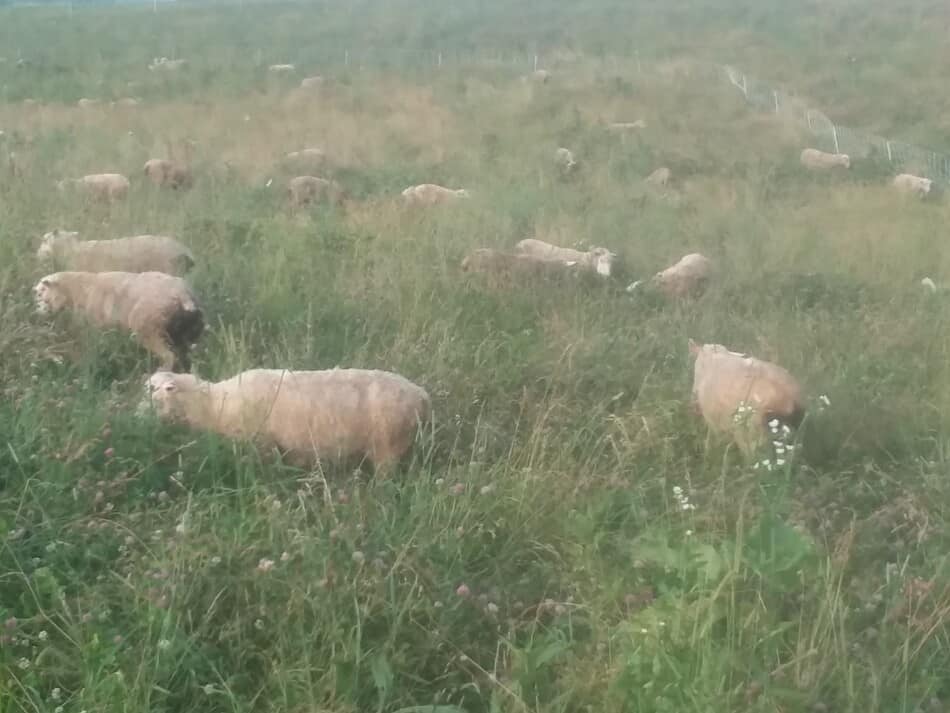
(158, 345)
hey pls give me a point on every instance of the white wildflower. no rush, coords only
(43, 635)
(164, 644)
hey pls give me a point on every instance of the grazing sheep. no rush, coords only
(309, 189)
(819, 160)
(311, 82)
(599, 260)
(310, 416)
(688, 277)
(659, 178)
(427, 194)
(160, 310)
(170, 174)
(282, 68)
(105, 186)
(165, 64)
(741, 394)
(139, 253)
(514, 267)
(621, 126)
(565, 161)
(910, 184)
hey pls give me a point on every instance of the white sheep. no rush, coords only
(743, 395)
(303, 190)
(310, 156)
(159, 309)
(599, 260)
(820, 160)
(170, 174)
(105, 186)
(623, 126)
(688, 276)
(138, 253)
(312, 417)
(514, 268)
(169, 65)
(916, 185)
(659, 178)
(282, 68)
(427, 194)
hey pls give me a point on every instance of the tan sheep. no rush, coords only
(139, 253)
(104, 186)
(819, 160)
(303, 190)
(159, 309)
(742, 395)
(659, 178)
(913, 185)
(168, 174)
(312, 417)
(599, 260)
(514, 268)
(688, 277)
(428, 194)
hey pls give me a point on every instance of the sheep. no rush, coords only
(310, 156)
(565, 161)
(659, 178)
(165, 64)
(427, 194)
(910, 184)
(126, 102)
(741, 394)
(816, 160)
(541, 76)
(139, 253)
(689, 276)
(311, 417)
(172, 174)
(85, 103)
(621, 126)
(599, 260)
(308, 189)
(105, 186)
(311, 82)
(514, 267)
(160, 310)
(282, 68)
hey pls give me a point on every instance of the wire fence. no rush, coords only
(837, 138)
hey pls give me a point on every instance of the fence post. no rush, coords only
(775, 96)
(745, 87)
(889, 157)
(536, 63)
(346, 58)
(808, 119)
(834, 133)
(440, 60)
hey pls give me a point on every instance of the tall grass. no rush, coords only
(533, 555)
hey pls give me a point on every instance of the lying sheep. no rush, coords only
(742, 395)
(427, 194)
(312, 417)
(819, 160)
(565, 161)
(169, 65)
(169, 174)
(513, 268)
(311, 82)
(105, 186)
(621, 126)
(303, 190)
(599, 260)
(160, 310)
(688, 277)
(139, 253)
(282, 68)
(659, 178)
(914, 185)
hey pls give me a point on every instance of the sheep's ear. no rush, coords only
(46, 281)
(693, 347)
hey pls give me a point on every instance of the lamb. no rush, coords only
(565, 161)
(105, 186)
(282, 68)
(311, 82)
(312, 417)
(159, 309)
(139, 253)
(171, 174)
(659, 178)
(303, 190)
(427, 194)
(599, 260)
(689, 276)
(741, 394)
(819, 160)
(910, 184)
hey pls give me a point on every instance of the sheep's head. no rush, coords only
(54, 239)
(462, 193)
(603, 261)
(164, 393)
(48, 296)
(845, 160)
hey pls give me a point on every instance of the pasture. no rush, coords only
(567, 536)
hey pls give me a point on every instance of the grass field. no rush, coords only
(537, 553)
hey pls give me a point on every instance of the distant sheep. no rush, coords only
(427, 194)
(742, 395)
(85, 103)
(303, 190)
(688, 277)
(659, 178)
(168, 65)
(312, 417)
(622, 126)
(311, 157)
(282, 68)
(599, 260)
(914, 185)
(160, 310)
(139, 253)
(565, 161)
(168, 174)
(104, 186)
(311, 82)
(819, 160)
